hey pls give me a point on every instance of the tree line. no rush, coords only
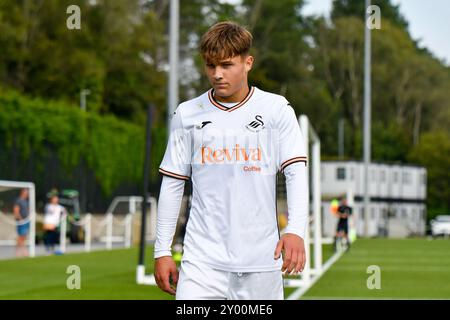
(121, 55)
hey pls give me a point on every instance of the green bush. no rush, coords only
(113, 149)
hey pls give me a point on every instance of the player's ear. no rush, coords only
(249, 63)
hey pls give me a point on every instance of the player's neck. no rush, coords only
(236, 97)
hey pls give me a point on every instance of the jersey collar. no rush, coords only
(224, 108)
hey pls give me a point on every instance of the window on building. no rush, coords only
(374, 175)
(404, 213)
(340, 173)
(372, 213)
(395, 176)
(322, 173)
(393, 213)
(406, 178)
(382, 176)
(423, 179)
(352, 174)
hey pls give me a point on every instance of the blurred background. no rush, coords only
(73, 102)
(121, 56)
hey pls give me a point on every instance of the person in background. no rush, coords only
(21, 213)
(344, 211)
(53, 212)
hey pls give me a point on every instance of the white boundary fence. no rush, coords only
(86, 222)
(110, 224)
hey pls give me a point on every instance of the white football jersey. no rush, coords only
(232, 155)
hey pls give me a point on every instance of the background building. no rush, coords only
(397, 197)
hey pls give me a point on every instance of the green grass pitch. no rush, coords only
(412, 268)
(104, 275)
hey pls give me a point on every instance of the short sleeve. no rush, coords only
(291, 144)
(176, 162)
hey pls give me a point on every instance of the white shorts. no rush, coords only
(197, 281)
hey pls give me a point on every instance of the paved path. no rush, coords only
(9, 252)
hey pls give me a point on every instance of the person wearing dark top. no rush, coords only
(21, 213)
(344, 211)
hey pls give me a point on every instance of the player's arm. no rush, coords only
(292, 161)
(16, 212)
(169, 204)
(291, 242)
(339, 212)
(176, 169)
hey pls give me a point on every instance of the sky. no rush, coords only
(428, 21)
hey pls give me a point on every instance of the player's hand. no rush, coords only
(294, 257)
(166, 269)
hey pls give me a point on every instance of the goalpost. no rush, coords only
(314, 225)
(311, 274)
(8, 221)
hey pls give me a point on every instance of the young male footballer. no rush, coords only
(231, 141)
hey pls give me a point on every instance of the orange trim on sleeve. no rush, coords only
(173, 175)
(293, 160)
